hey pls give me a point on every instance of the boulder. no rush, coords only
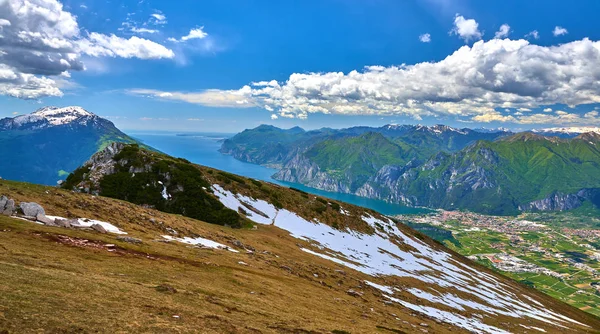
(45, 220)
(9, 208)
(129, 240)
(98, 227)
(68, 223)
(32, 209)
(3, 200)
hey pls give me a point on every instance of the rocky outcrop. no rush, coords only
(560, 202)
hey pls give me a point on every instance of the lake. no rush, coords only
(202, 149)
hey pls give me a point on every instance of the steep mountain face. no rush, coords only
(44, 146)
(331, 252)
(443, 167)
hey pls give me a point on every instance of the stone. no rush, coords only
(45, 220)
(130, 240)
(32, 209)
(354, 293)
(3, 200)
(68, 223)
(9, 208)
(98, 228)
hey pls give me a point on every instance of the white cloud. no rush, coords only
(158, 18)
(547, 110)
(467, 29)
(591, 114)
(143, 30)
(113, 46)
(212, 97)
(503, 32)
(559, 31)
(197, 33)
(471, 83)
(425, 38)
(273, 116)
(195, 119)
(41, 42)
(533, 34)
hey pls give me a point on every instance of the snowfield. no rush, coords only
(390, 252)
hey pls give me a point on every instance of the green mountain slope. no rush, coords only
(45, 146)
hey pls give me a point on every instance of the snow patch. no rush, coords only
(85, 222)
(202, 242)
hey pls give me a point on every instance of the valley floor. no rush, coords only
(556, 253)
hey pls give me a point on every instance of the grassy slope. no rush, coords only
(60, 288)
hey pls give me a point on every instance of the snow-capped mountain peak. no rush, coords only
(61, 116)
(48, 117)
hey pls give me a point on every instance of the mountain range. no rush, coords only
(494, 172)
(46, 145)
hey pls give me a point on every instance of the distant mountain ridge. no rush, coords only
(496, 172)
(49, 143)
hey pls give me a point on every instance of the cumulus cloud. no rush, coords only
(41, 43)
(467, 29)
(533, 34)
(503, 31)
(472, 83)
(547, 110)
(559, 31)
(425, 38)
(274, 116)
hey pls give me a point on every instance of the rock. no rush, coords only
(130, 240)
(45, 220)
(238, 243)
(98, 228)
(68, 223)
(165, 288)
(9, 208)
(32, 209)
(3, 200)
(354, 293)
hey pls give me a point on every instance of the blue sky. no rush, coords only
(190, 65)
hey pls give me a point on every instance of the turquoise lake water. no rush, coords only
(203, 149)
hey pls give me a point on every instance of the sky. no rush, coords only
(224, 65)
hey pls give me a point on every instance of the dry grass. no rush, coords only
(52, 281)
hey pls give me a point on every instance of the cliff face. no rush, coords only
(560, 202)
(301, 170)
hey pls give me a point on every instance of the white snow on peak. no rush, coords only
(52, 116)
(389, 251)
(60, 116)
(570, 130)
